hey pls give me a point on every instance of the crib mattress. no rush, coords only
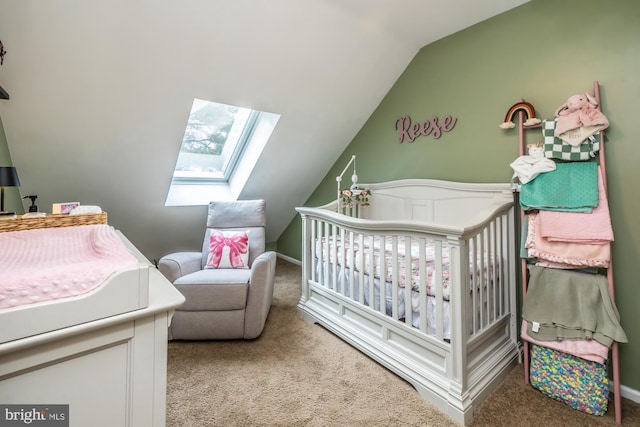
(47, 290)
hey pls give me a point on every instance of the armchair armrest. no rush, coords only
(176, 265)
(263, 272)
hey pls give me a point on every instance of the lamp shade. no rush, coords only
(9, 177)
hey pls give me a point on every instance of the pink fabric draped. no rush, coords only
(572, 254)
(586, 349)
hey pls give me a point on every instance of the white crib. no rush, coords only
(448, 248)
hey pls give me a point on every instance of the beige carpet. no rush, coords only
(299, 374)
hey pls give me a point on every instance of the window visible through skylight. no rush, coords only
(213, 140)
(220, 147)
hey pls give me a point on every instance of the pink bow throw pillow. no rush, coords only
(228, 249)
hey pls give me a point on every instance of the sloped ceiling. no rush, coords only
(101, 91)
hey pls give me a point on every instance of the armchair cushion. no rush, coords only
(224, 289)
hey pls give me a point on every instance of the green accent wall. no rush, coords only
(543, 52)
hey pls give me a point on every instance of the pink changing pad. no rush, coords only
(52, 263)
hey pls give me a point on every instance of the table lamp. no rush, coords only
(8, 178)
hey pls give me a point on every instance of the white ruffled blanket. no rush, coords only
(52, 263)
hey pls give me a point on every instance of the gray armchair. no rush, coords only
(224, 302)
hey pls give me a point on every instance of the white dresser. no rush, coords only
(111, 371)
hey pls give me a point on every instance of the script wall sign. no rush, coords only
(409, 131)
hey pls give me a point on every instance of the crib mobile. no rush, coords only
(524, 114)
(353, 197)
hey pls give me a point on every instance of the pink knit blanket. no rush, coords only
(52, 263)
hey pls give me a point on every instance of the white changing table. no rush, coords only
(111, 371)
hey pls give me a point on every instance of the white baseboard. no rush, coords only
(288, 258)
(630, 393)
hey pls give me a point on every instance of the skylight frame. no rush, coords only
(244, 129)
(190, 188)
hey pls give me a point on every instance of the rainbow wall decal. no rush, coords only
(529, 112)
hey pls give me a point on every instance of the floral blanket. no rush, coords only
(339, 250)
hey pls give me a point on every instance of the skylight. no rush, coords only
(215, 151)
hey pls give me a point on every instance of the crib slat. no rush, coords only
(324, 247)
(382, 274)
(485, 291)
(347, 267)
(314, 254)
(473, 289)
(333, 257)
(325, 251)
(439, 305)
(482, 250)
(423, 284)
(475, 296)
(503, 267)
(408, 282)
(327, 239)
(484, 300)
(395, 265)
(338, 259)
(352, 266)
(372, 267)
(361, 271)
(493, 256)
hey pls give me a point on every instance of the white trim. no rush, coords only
(629, 393)
(288, 258)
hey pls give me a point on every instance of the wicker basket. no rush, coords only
(52, 220)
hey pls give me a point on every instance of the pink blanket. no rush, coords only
(577, 227)
(569, 253)
(52, 263)
(586, 349)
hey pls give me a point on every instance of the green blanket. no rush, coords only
(566, 304)
(571, 187)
